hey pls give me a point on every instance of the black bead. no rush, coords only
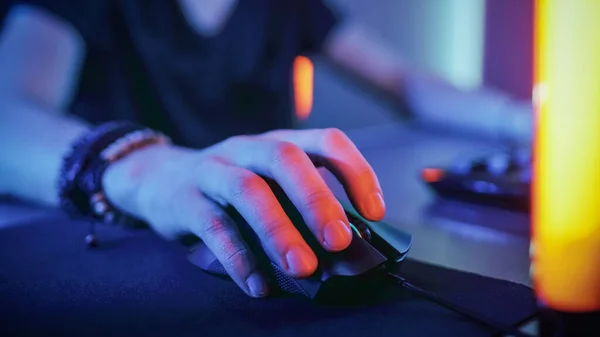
(91, 240)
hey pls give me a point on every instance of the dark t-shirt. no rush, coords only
(146, 63)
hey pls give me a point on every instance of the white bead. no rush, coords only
(100, 208)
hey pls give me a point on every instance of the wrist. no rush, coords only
(132, 183)
(82, 175)
(123, 180)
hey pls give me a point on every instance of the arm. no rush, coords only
(175, 190)
(40, 58)
(433, 101)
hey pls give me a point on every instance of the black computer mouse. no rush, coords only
(358, 270)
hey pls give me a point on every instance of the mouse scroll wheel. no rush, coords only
(359, 227)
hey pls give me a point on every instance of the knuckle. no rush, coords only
(245, 183)
(235, 256)
(201, 165)
(226, 145)
(275, 230)
(334, 138)
(284, 152)
(211, 224)
(215, 227)
(317, 197)
(232, 141)
(205, 164)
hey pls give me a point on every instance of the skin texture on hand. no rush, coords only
(179, 191)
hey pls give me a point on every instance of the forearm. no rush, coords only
(434, 102)
(33, 142)
(40, 60)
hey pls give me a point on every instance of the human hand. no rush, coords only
(179, 191)
(483, 111)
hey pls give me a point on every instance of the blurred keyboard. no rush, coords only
(501, 179)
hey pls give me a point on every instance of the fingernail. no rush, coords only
(374, 206)
(300, 261)
(257, 285)
(337, 235)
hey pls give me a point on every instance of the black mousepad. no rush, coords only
(136, 284)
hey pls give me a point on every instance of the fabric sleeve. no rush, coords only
(318, 20)
(89, 17)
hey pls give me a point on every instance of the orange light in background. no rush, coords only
(303, 86)
(566, 189)
(432, 175)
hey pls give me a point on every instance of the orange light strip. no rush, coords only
(303, 86)
(566, 189)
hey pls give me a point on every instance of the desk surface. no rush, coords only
(477, 239)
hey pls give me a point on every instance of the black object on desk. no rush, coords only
(501, 179)
(136, 284)
(360, 269)
(363, 269)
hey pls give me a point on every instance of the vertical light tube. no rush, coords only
(303, 86)
(566, 189)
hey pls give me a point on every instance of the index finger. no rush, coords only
(334, 150)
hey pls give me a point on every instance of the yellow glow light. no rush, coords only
(303, 86)
(566, 202)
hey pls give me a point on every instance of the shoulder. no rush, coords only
(90, 18)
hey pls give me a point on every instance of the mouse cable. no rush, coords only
(505, 329)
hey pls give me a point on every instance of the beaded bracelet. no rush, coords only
(80, 185)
